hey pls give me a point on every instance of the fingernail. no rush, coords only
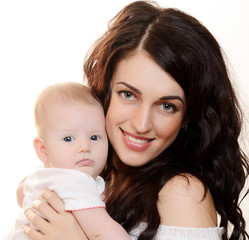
(45, 192)
(25, 228)
(36, 203)
(26, 211)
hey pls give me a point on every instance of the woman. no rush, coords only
(173, 121)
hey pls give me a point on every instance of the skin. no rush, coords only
(74, 137)
(55, 227)
(152, 109)
(182, 203)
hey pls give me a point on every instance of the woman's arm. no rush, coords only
(182, 203)
(60, 225)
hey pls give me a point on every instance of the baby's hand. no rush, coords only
(102, 197)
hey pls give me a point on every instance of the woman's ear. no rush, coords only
(185, 122)
(40, 149)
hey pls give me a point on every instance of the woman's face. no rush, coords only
(146, 110)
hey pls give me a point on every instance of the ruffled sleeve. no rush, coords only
(80, 191)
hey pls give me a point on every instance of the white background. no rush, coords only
(44, 42)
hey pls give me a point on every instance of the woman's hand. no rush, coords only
(60, 225)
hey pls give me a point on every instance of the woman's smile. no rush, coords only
(146, 110)
(136, 143)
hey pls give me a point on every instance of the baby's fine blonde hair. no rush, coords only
(63, 93)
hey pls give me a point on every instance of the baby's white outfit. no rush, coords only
(78, 190)
(180, 233)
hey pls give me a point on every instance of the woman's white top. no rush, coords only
(180, 233)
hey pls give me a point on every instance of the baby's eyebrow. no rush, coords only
(131, 87)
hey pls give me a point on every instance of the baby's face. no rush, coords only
(75, 137)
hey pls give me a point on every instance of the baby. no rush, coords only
(73, 146)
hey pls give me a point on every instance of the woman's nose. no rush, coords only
(142, 119)
(85, 146)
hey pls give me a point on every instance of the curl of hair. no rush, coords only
(208, 149)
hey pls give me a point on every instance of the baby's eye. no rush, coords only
(127, 95)
(167, 107)
(94, 137)
(68, 139)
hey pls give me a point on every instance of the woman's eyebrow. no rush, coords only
(131, 87)
(176, 97)
(172, 97)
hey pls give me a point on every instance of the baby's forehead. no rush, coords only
(72, 112)
(68, 104)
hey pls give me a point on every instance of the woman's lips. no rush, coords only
(136, 143)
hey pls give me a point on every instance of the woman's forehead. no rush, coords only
(143, 73)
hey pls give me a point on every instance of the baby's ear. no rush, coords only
(40, 149)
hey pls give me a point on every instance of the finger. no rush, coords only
(54, 201)
(32, 233)
(44, 209)
(35, 219)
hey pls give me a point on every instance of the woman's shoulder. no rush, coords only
(183, 202)
(184, 185)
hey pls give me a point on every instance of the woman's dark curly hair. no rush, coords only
(208, 149)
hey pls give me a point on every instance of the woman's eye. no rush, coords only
(167, 107)
(126, 95)
(94, 138)
(68, 139)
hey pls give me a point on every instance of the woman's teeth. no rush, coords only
(135, 140)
